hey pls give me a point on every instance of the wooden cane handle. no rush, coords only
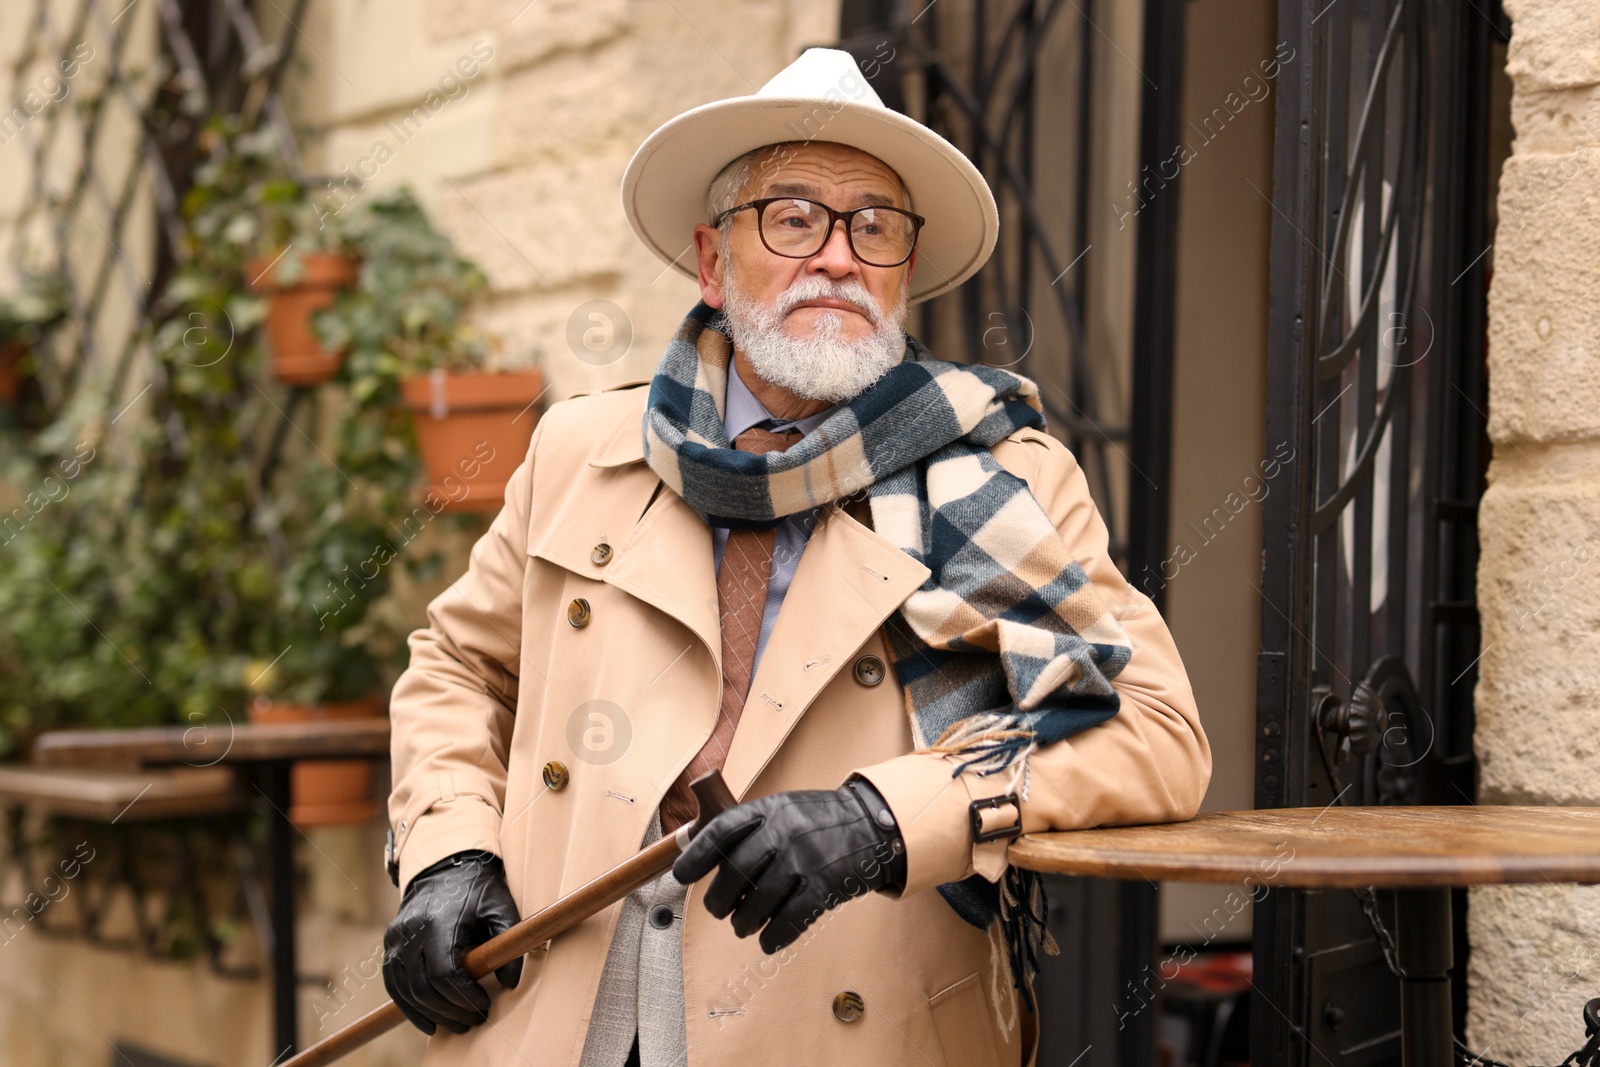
(712, 795)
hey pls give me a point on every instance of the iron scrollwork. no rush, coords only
(1381, 720)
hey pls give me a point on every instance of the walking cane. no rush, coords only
(713, 797)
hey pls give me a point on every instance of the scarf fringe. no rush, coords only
(994, 743)
(990, 742)
(1024, 911)
(999, 996)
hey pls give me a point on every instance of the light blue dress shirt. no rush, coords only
(742, 410)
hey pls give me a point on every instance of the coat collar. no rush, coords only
(850, 581)
(625, 443)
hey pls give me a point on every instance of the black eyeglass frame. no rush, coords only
(847, 217)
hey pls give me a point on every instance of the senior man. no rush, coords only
(857, 579)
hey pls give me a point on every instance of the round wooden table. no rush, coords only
(267, 751)
(1421, 853)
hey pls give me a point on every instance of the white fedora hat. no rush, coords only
(822, 96)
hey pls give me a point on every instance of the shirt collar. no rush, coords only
(742, 410)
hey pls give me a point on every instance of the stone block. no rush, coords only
(420, 148)
(1535, 962)
(811, 22)
(1539, 599)
(646, 306)
(1544, 320)
(539, 227)
(363, 64)
(527, 31)
(1555, 44)
(1556, 121)
(16, 21)
(341, 965)
(696, 51)
(570, 107)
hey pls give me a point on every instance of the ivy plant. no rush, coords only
(238, 536)
(407, 313)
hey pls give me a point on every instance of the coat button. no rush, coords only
(848, 1006)
(869, 670)
(601, 554)
(661, 916)
(555, 775)
(578, 613)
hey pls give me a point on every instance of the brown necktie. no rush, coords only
(741, 598)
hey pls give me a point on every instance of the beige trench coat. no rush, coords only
(501, 684)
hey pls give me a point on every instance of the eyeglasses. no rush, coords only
(797, 228)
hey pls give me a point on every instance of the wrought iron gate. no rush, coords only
(1013, 84)
(1369, 635)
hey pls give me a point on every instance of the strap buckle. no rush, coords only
(975, 816)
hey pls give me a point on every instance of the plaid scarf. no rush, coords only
(1006, 646)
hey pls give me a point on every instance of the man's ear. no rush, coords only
(708, 261)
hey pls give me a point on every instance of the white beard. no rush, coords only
(824, 366)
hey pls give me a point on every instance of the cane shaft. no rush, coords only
(572, 909)
(541, 926)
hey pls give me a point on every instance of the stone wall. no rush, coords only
(1536, 951)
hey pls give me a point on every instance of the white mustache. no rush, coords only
(816, 288)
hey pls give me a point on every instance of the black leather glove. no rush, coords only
(787, 858)
(456, 904)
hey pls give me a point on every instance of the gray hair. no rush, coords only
(730, 182)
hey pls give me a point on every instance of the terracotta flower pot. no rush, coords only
(472, 431)
(325, 792)
(298, 358)
(10, 371)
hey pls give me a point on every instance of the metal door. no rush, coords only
(1376, 390)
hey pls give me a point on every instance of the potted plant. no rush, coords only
(206, 540)
(473, 426)
(404, 324)
(321, 651)
(301, 273)
(12, 353)
(298, 284)
(347, 686)
(324, 650)
(247, 211)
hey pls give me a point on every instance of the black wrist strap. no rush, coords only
(882, 818)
